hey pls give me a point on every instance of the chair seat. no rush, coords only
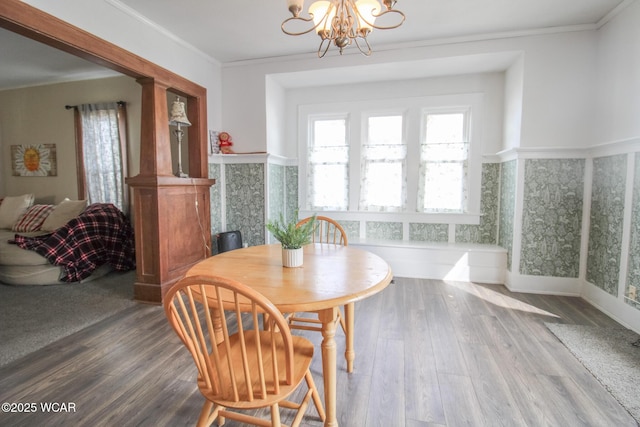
(303, 354)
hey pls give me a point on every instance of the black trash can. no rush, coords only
(228, 241)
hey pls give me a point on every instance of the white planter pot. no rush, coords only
(292, 257)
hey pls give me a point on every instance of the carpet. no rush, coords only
(32, 317)
(610, 355)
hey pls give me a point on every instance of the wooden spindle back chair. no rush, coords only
(242, 364)
(326, 230)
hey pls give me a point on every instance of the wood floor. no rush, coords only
(429, 353)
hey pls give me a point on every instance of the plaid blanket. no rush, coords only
(102, 234)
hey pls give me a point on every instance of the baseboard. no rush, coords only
(567, 286)
(612, 306)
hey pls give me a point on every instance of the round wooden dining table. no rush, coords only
(331, 276)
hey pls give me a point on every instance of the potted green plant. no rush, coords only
(292, 238)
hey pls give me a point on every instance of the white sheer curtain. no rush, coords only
(328, 172)
(103, 147)
(444, 158)
(383, 184)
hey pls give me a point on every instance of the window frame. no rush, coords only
(364, 121)
(467, 113)
(413, 108)
(310, 138)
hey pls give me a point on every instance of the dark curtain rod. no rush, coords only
(69, 107)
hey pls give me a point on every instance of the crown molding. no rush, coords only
(615, 12)
(162, 30)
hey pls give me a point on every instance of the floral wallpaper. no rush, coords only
(384, 230)
(429, 232)
(605, 232)
(633, 276)
(352, 228)
(245, 197)
(291, 191)
(276, 191)
(216, 199)
(487, 230)
(552, 217)
(507, 207)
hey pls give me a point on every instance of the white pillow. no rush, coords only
(12, 208)
(63, 213)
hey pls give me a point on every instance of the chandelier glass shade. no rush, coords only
(342, 22)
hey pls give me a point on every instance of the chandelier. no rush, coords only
(341, 22)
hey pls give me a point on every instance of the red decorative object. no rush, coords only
(224, 141)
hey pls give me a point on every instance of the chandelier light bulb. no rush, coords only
(322, 13)
(368, 10)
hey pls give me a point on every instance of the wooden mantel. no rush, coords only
(171, 215)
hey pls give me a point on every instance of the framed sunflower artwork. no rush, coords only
(34, 160)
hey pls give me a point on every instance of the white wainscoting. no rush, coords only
(480, 263)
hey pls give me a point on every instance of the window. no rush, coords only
(328, 164)
(101, 147)
(443, 162)
(383, 186)
(405, 158)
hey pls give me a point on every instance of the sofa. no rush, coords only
(42, 244)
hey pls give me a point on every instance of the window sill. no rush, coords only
(404, 217)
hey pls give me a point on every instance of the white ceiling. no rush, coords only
(238, 30)
(247, 29)
(24, 62)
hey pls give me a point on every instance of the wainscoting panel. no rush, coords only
(607, 214)
(552, 217)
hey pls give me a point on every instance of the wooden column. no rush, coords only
(198, 136)
(172, 220)
(155, 141)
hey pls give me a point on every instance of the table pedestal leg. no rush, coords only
(329, 371)
(349, 353)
